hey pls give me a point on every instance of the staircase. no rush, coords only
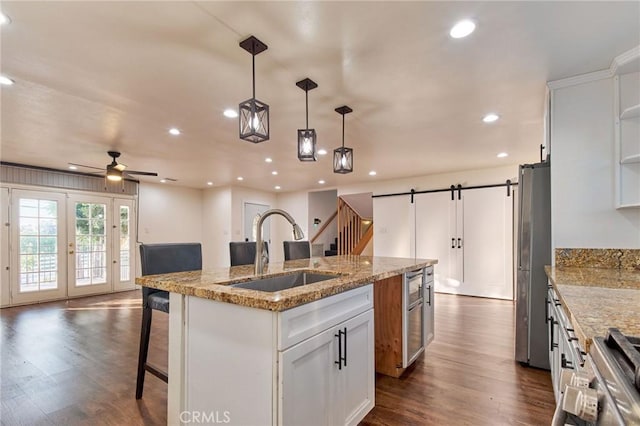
(354, 231)
(333, 249)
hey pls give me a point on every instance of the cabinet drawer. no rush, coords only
(428, 274)
(302, 322)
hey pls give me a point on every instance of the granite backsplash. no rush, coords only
(625, 259)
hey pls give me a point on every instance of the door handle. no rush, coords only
(453, 243)
(459, 242)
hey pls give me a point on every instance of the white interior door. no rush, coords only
(124, 233)
(435, 236)
(90, 258)
(4, 247)
(488, 243)
(38, 270)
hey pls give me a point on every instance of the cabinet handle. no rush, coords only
(551, 344)
(546, 310)
(453, 243)
(339, 361)
(564, 362)
(429, 293)
(345, 347)
(459, 242)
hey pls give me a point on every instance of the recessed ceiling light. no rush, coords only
(462, 29)
(268, 160)
(230, 113)
(502, 155)
(490, 118)
(4, 19)
(240, 178)
(174, 131)
(163, 180)
(321, 182)
(372, 173)
(6, 80)
(275, 173)
(210, 183)
(322, 152)
(73, 168)
(277, 187)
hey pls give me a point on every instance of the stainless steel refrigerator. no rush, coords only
(534, 252)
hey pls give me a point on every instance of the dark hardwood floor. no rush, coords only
(74, 362)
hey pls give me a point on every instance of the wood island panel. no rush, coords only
(387, 309)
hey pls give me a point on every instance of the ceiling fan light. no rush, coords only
(114, 175)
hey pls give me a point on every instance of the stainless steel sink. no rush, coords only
(284, 282)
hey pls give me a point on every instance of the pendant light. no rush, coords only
(343, 157)
(307, 136)
(254, 115)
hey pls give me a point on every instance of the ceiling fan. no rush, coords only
(115, 171)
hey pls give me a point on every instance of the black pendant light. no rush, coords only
(343, 157)
(307, 136)
(254, 115)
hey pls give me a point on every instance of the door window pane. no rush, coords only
(38, 258)
(124, 244)
(91, 247)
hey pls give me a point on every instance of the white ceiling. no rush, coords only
(95, 76)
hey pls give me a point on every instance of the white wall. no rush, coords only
(297, 205)
(436, 181)
(216, 227)
(322, 204)
(169, 214)
(582, 171)
(239, 196)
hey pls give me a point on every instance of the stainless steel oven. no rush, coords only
(413, 316)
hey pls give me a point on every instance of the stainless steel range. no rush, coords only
(606, 390)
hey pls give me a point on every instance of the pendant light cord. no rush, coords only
(342, 134)
(306, 96)
(253, 67)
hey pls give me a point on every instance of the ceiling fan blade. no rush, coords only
(133, 172)
(83, 165)
(120, 167)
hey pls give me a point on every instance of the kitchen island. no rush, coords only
(303, 355)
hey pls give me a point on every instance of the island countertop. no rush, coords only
(596, 299)
(214, 284)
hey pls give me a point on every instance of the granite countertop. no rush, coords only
(215, 283)
(596, 299)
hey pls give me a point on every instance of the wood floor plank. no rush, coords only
(74, 363)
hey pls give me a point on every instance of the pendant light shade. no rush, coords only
(343, 157)
(253, 114)
(307, 136)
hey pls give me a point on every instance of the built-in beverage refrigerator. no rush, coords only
(533, 253)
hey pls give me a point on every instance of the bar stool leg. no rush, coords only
(144, 349)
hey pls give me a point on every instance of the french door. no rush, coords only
(99, 244)
(38, 237)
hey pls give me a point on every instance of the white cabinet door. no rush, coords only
(357, 378)
(394, 218)
(315, 390)
(488, 242)
(307, 387)
(435, 236)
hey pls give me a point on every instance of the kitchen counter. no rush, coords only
(596, 299)
(214, 284)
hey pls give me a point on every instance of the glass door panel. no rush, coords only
(4, 247)
(89, 240)
(123, 250)
(37, 234)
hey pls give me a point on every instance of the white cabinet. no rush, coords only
(627, 143)
(273, 368)
(471, 236)
(328, 379)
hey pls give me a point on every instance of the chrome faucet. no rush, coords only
(261, 256)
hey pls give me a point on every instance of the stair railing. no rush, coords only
(350, 228)
(325, 226)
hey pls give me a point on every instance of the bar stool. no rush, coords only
(160, 259)
(296, 250)
(244, 252)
